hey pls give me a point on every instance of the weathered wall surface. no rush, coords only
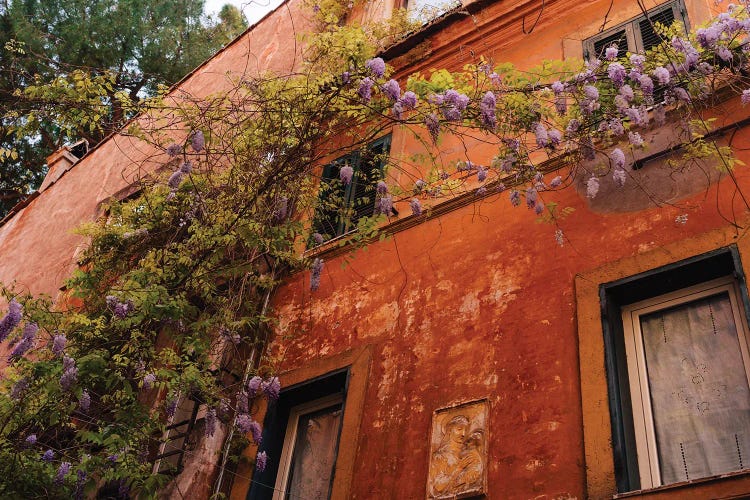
(481, 302)
(37, 246)
(477, 303)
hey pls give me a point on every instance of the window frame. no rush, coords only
(290, 439)
(642, 412)
(632, 28)
(619, 291)
(349, 196)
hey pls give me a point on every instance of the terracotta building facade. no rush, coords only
(468, 355)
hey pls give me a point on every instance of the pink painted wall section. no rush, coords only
(37, 245)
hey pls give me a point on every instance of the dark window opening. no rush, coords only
(333, 385)
(340, 207)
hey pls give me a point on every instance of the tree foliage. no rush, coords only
(75, 69)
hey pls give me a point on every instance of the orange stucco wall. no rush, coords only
(479, 302)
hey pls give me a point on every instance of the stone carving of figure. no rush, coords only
(470, 466)
(445, 459)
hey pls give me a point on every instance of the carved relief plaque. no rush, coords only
(458, 451)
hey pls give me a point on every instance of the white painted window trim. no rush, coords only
(287, 451)
(643, 422)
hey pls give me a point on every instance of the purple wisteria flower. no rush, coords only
(487, 111)
(346, 77)
(419, 186)
(173, 150)
(30, 440)
(615, 126)
(210, 422)
(122, 309)
(635, 139)
(58, 344)
(197, 141)
(557, 87)
(591, 101)
(247, 425)
(481, 174)
(171, 407)
(345, 174)
(416, 206)
(680, 94)
(555, 137)
(26, 342)
(243, 402)
(186, 167)
(542, 138)
(556, 182)
(365, 89)
(62, 471)
(11, 320)
(84, 402)
(385, 205)
(616, 73)
(260, 461)
(591, 92)
(637, 60)
(619, 177)
(611, 52)
(80, 482)
(271, 387)
(452, 104)
(559, 237)
(397, 110)
(662, 75)
(531, 197)
(647, 85)
(381, 187)
(515, 197)
(561, 104)
(432, 123)
(539, 207)
(707, 37)
(481, 191)
(572, 127)
(318, 238)
(391, 89)
(175, 179)
(592, 187)
(253, 386)
(148, 381)
(48, 456)
(70, 373)
(618, 158)
(626, 91)
(745, 98)
(315, 274)
(724, 54)
(409, 100)
(376, 65)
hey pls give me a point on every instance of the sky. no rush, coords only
(253, 9)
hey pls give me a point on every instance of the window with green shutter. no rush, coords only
(636, 35)
(341, 206)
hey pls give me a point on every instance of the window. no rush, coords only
(309, 451)
(688, 362)
(340, 206)
(678, 370)
(636, 35)
(301, 435)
